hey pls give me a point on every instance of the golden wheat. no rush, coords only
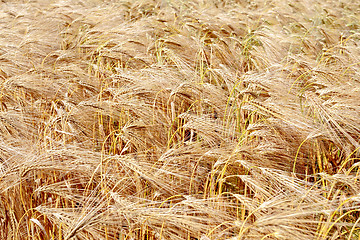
(170, 119)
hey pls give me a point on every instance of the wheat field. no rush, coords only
(174, 119)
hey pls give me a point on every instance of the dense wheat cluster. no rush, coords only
(170, 119)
